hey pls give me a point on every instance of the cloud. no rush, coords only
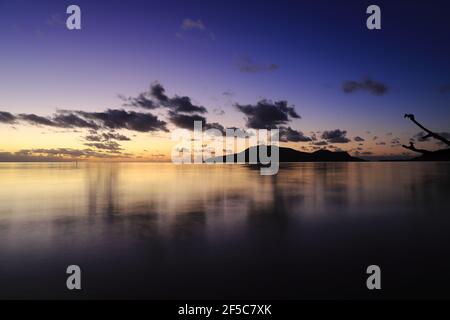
(57, 154)
(156, 97)
(359, 139)
(61, 119)
(121, 119)
(320, 143)
(364, 153)
(186, 121)
(141, 101)
(422, 136)
(67, 119)
(335, 136)
(114, 136)
(176, 103)
(247, 65)
(369, 85)
(105, 140)
(215, 125)
(37, 120)
(189, 24)
(228, 93)
(218, 111)
(6, 117)
(267, 114)
(184, 104)
(446, 135)
(158, 92)
(110, 146)
(109, 119)
(288, 134)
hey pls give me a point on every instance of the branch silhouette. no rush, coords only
(413, 148)
(430, 133)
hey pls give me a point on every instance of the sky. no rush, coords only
(310, 68)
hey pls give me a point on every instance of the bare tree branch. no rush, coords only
(413, 148)
(430, 133)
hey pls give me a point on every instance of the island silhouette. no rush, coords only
(286, 155)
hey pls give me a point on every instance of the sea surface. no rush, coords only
(159, 230)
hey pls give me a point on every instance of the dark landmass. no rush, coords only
(291, 155)
(439, 155)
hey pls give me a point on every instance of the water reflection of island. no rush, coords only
(167, 231)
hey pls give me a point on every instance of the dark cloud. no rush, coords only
(381, 143)
(289, 134)
(122, 119)
(6, 117)
(267, 114)
(106, 136)
(369, 85)
(24, 157)
(62, 119)
(110, 146)
(67, 119)
(335, 136)
(182, 111)
(364, 153)
(36, 120)
(239, 133)
(94, 138)
(142, 101)
(319, 143)
(422, 136)
(57, 154)
(158, 92)
(156, 97)
(184, 104)
(215, 125)
(359, 139)
(247, 65)
(114, 136)
(186, 121)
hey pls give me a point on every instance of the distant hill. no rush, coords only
(291, 155)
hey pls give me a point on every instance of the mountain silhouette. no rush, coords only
(290, 155)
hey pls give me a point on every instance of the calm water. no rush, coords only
(224, 231)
